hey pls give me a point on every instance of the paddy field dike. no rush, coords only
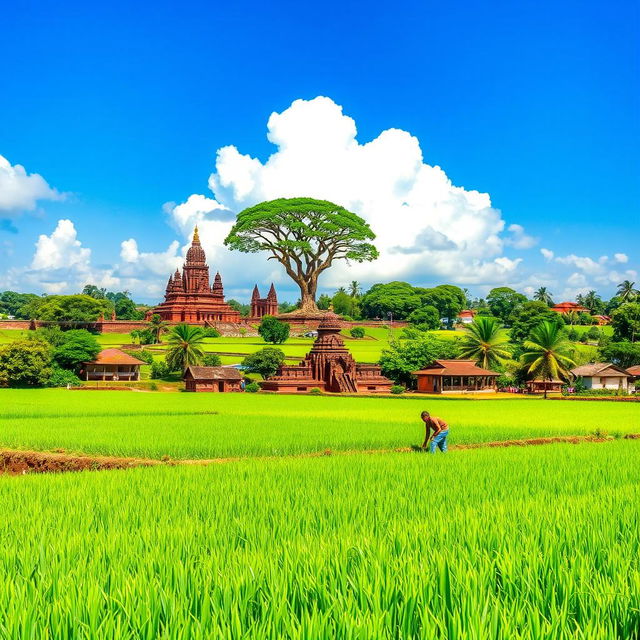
(312, 517)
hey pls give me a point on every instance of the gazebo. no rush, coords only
(113, 364)
(456, 376)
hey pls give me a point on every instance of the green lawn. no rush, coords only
(184, 425)
(514, 544)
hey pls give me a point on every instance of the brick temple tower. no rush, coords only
(264, 306)
(189, 297)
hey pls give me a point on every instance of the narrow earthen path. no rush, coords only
(19, 462)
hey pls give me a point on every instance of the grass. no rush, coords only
(184, 425)
(517, 544)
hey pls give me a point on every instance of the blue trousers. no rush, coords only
(439, 441)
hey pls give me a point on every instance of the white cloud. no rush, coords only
(547, 254)
(61, 249)
(622, 258)
(519, 239)
(427, 228)
(584, 263)
(20, 191)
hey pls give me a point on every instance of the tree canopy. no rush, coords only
(25, 363)
(304, 235)
(626, 322)
(264, 361)
(273, 330)
(529, 315)
(503, 301)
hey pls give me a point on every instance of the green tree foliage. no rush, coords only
(25, 363)
(503, 301)
(264, 361)
(185, 344)
(592, 301)
(345, 305)
(126, 309)
(625, 321)
(485, 342)
(547, 354)
(143, 336)
(324, 302)
(243, 309)
(306, 236)
(273, 330)
(68, 309)
(211, 360)
(357, 332)
(13, 303)
(527, 316)
(448, 299)
(252, 387)
(405, 356)
(79, 346)
(624, 354)
(54, 335)
(397, 298)
(425, 318)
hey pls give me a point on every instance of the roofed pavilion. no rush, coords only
(456, 376)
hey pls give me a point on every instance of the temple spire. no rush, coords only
(272, 293)
(196, 236)
(256, 293)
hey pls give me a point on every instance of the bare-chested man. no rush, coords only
(440, 432)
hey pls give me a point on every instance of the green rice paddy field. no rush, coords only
(519, 543)
(182, 425)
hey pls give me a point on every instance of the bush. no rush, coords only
(25, 363)
(273, 330)
(211, 360)
(62, 377)
(252, 387)
(357, 332)
(594, 333)
(397, 389)
(315, 391)
(211, 332)
(159, 370)
(573, 334)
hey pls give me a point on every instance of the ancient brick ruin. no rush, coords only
(190, 297)
(329, 366)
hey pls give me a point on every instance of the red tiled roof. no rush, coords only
(568, 306)
(634, 371)
(455, 368)
(115, 356)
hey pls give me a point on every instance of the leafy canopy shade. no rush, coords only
(305, 236)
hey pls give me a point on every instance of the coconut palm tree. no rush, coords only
(485, 342)
(543, 295)
(157, 326)
(627, 291)
(185, 347)
(547, 353)
(354, 289)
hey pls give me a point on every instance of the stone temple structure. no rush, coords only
(190, 297)
(264, 306)
(330, 367)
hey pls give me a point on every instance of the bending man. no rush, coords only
(440, 432)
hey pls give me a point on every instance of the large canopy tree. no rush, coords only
(305, 236)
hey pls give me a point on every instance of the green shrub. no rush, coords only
(273, 330)
(252, 387)
(62, 377)
(159, 370)
(357, 332)
(315, 391)
(397, 389)
(211, 360)
(211, 332)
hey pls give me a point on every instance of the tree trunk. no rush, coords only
(308, 295)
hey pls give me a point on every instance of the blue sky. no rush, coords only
(121, 107)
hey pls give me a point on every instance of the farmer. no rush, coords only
(440, 432)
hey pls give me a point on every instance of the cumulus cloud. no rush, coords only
(61, 249)
(519, 239)
(427, 228)
(547, 254)
(622, 258)
(21, 191)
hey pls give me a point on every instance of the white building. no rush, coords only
(603, 375)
